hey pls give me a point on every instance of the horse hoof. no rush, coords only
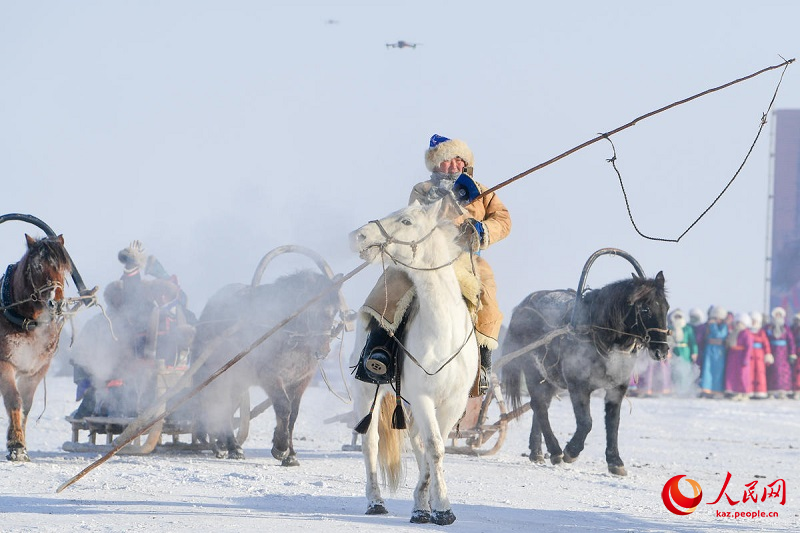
(618, 470)
(236, 454)
(290, 460)
(537, 458)
(420, 517)
(220, 453)
(19, 455)
(443, 518)
(556, 459)
(569, 459)
(376, 508)
(280, 455)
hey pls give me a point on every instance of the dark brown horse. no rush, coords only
(32, 301)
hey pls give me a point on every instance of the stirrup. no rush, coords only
(377, 362)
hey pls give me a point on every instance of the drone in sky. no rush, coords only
(402, 44)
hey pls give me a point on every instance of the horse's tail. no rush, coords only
(512, 382)
(390, 444)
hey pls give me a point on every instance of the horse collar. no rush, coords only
(26, 324)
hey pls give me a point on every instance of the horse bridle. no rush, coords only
(54, 307)
(390, 238)
(647, 339)
(640, 341)
(413, 244)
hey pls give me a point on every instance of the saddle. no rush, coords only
(392, 296)
(388, 308)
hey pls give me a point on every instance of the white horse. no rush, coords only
(441, 361)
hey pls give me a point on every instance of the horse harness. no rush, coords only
(639, 341)
(413, 244)
(7, 302)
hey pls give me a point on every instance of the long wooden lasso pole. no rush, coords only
(633, 122)
(190, 394)
(183, 399)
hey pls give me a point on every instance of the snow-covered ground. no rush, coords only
(659, 438)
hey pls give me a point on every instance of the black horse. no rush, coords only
(606, 329)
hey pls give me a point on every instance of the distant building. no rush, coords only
(785, 254)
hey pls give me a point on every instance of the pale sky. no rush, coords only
(216, 131)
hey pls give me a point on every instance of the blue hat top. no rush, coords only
(437, 139)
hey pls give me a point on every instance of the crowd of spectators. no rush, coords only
(721, 354)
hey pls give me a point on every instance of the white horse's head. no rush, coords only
(417, 236)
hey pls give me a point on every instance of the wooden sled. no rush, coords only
(474, 435)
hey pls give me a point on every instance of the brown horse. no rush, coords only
(32, 301)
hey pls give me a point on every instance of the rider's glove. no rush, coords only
(133, 256)
(471, 234)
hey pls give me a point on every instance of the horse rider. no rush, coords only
(482, 223)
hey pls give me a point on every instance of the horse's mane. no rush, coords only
(608, 306)
(439, 212)
(274, 301)
(298, 287)
(47, 251)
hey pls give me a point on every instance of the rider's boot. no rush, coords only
(486, 370)
(87, 406)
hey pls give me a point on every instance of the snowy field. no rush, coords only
(659, 438)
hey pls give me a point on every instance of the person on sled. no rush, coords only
(147, 308)
(482, 223)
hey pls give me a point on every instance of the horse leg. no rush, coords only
(295, 394)
(232, 446)
(219, 423)
(369, 448)
(18, 403)
(15, 438)
(282, 405)
(583, 420)
(430, 432)
(535, 441)
(422, 503)
(613, 402)
(542, 393)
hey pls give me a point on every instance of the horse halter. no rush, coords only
(413, 244)
(639, 341)
(55, 307)
(390, 238)
(646, 340)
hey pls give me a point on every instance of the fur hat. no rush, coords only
(778, 311)
(444, 149)
(720, 313)
(677, 313)
(696, 315)
(745, 319)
